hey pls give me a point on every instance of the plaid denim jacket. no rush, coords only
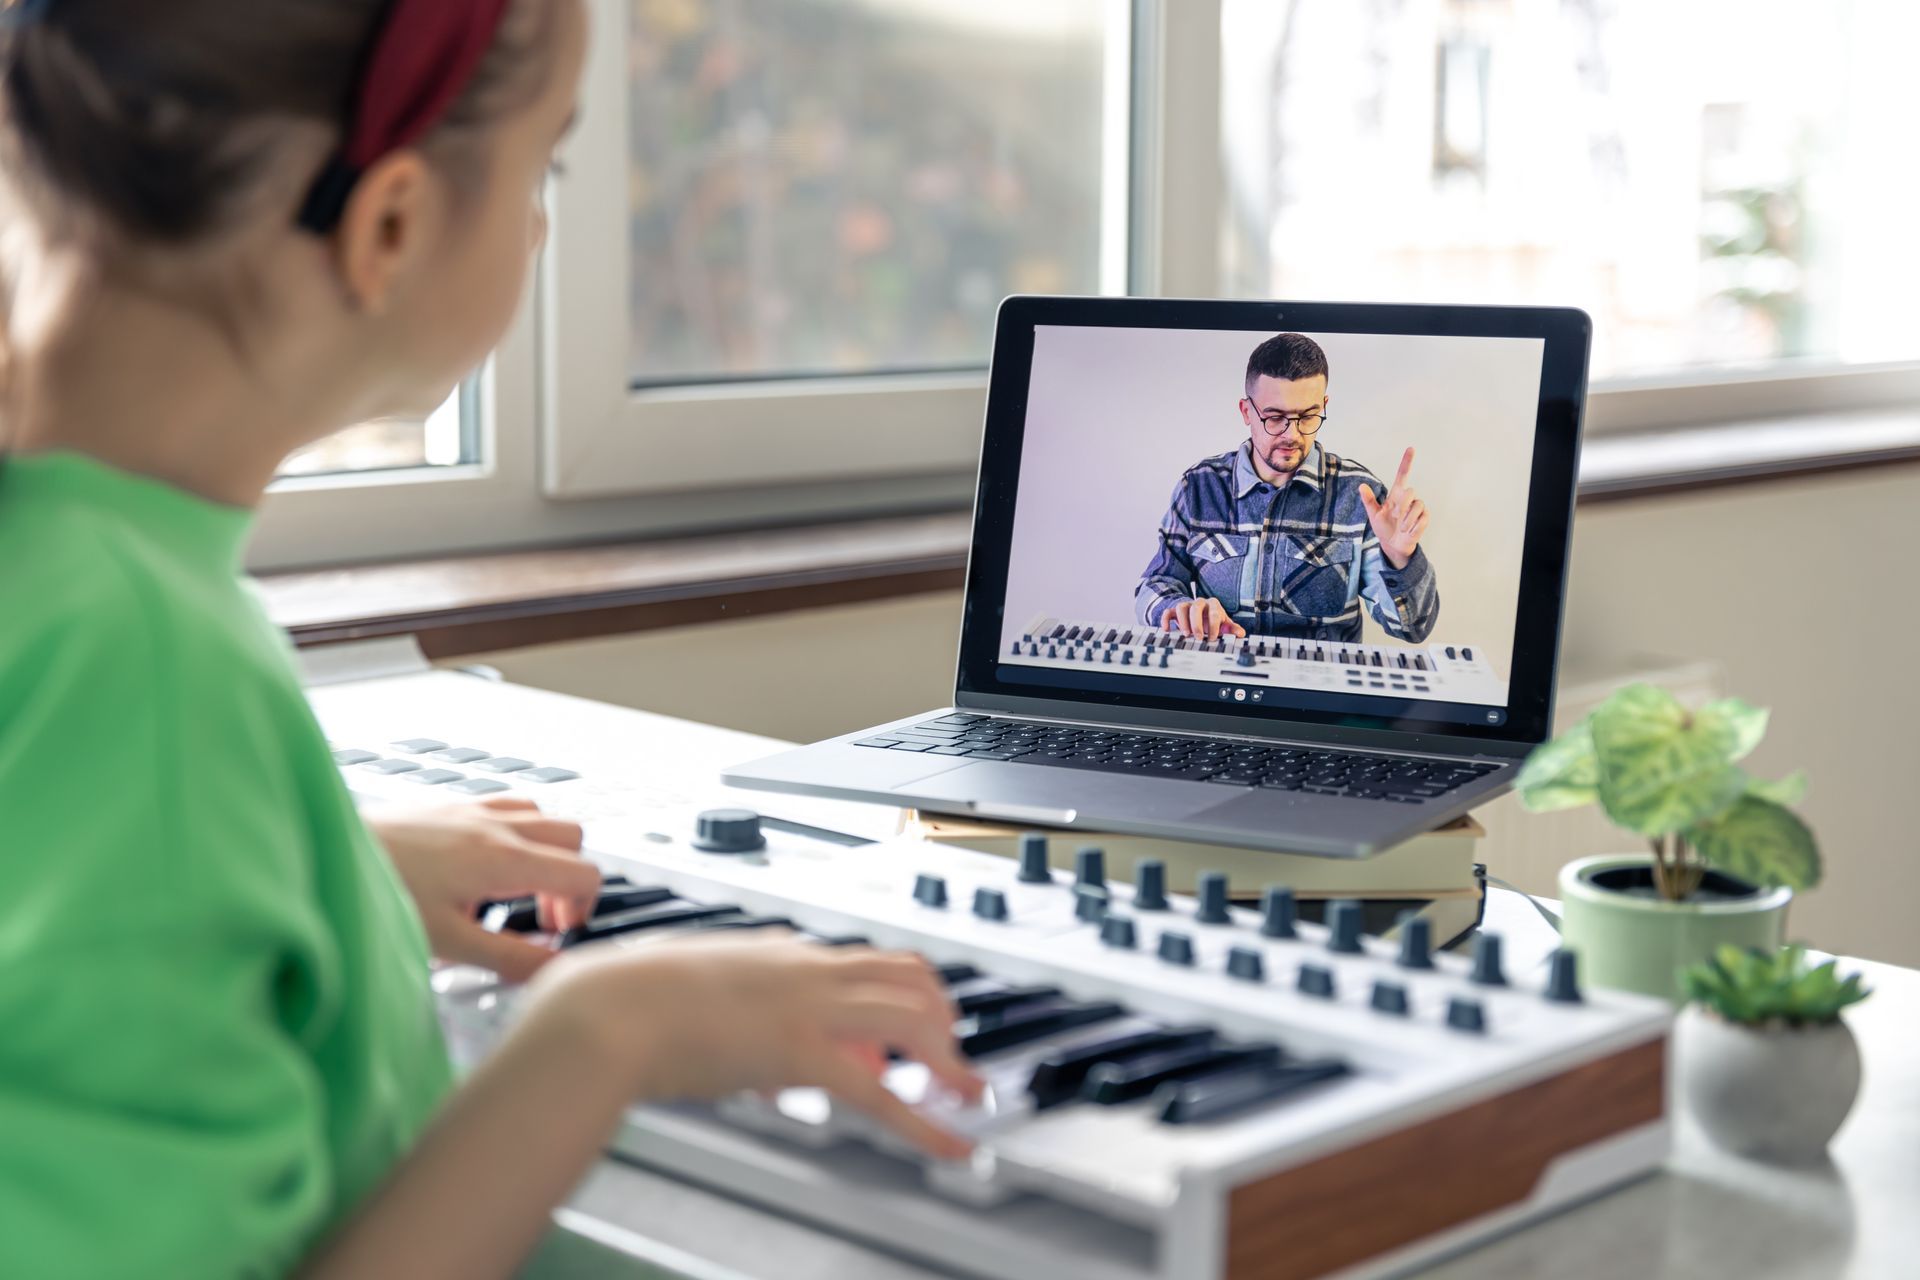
(1292, 561)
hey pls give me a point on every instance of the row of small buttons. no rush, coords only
(413, 771)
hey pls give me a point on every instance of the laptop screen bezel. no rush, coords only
(1539, 618)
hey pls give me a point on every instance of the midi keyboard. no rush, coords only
(1447, 673)
(1179, 1089)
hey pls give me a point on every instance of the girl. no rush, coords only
(232, 227)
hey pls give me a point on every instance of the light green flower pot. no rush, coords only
(1630, 939)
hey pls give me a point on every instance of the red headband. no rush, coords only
(424, 55)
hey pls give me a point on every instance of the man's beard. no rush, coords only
(1280, 460)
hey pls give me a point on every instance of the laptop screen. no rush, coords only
(1275, 519)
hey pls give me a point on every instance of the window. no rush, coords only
(795, 230)
(445, 438)
(1720, 183)
(786, 225)
(835, 187)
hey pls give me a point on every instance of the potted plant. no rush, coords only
(1725, 852)
(1763, 1060)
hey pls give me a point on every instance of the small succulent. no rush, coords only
(1751, 986)
(1671, 775)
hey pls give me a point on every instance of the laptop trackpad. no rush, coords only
(992, 786)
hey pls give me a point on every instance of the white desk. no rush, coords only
(1707, 1214)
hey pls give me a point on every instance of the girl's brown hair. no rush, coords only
(167, 123)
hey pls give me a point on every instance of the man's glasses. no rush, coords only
(1306, 424)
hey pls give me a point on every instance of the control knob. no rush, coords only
(728, 831)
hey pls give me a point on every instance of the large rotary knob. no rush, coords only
(728, 831)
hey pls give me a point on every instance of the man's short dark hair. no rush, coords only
(1292, 356)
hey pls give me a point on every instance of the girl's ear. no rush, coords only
(384, 230)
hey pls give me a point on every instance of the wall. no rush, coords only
(793, 675)
(1799, 593)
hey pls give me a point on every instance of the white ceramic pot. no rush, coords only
(1774, 1092)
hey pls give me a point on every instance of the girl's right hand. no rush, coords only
(701, 1018)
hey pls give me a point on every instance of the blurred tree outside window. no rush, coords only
(1720, 183)
(851, 186)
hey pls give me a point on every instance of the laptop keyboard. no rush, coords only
(1322, 771)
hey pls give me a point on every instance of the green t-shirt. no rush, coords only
(216, 1030)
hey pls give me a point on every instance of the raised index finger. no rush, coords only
(1406, 465)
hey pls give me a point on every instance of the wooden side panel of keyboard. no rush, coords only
(1401, 1187)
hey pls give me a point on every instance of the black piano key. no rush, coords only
(1059, 1077)
(517, 915)
(975, 1003)
(845, 940)
(1215, 1097)
(745, 922)
(1127, 638)
(658, 917)
(1114, 1083)
(1112, 636)
(628, 897)
(1026, 1023)
(1419, 662)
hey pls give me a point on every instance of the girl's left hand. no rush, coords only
(454, 857)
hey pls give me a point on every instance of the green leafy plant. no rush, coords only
(1672, 776)
(1753, 986)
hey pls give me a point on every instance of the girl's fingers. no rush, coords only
(519, 869)
(847, 1079)
(558, 914)
(917, 1027)
(902, 968)
(508, 804)
(507, 954)
(537, 828)
(902, 1019)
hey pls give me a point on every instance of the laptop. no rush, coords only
(1279, 575)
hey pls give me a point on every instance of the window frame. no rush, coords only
(569, 452)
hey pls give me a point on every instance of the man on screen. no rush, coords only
(1281, 537)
